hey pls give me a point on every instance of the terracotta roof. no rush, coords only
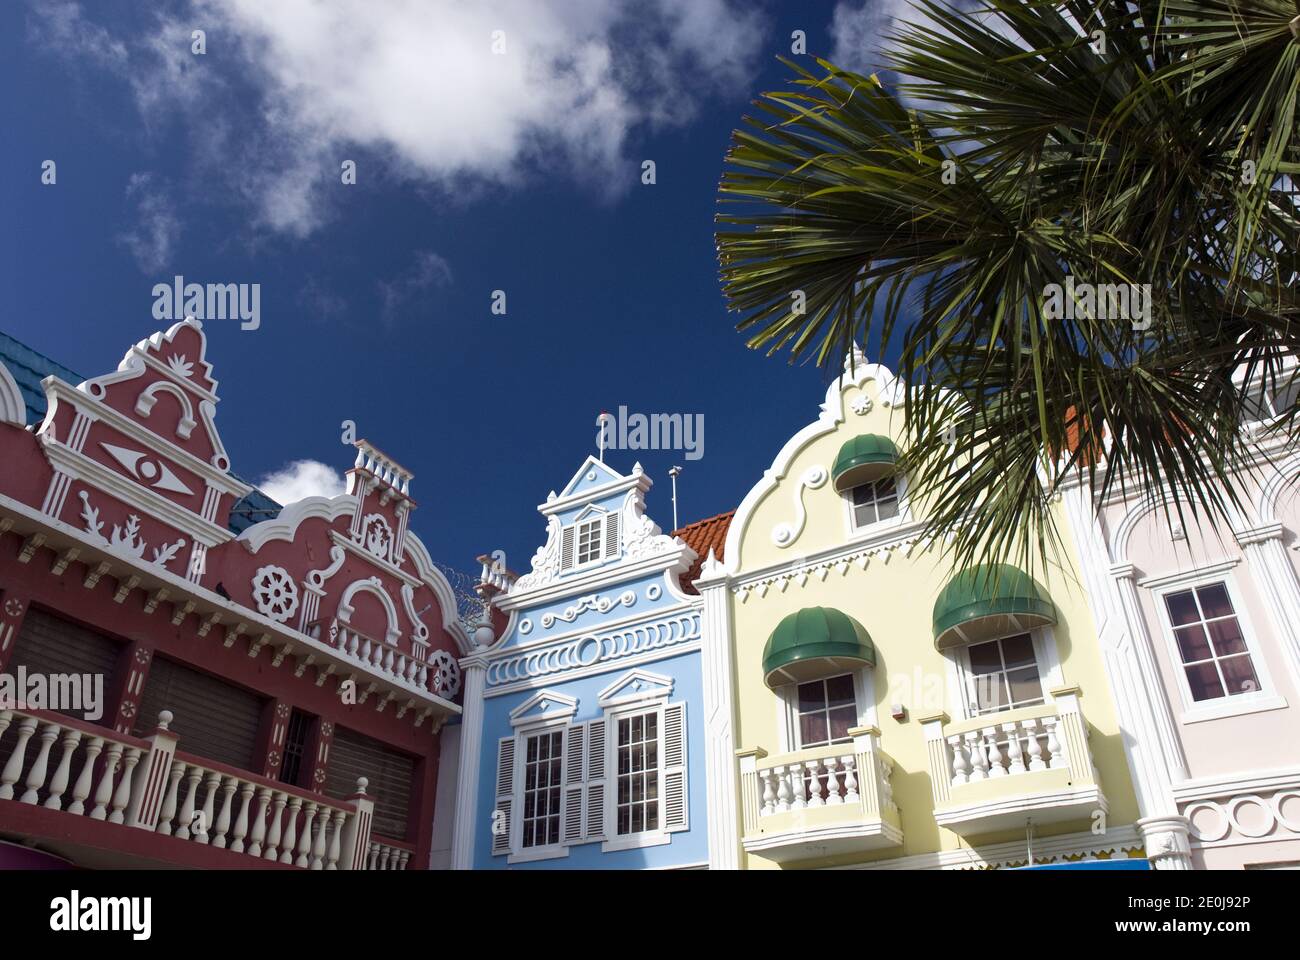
(703, 536)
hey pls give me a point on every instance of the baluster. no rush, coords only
(318, 845)
(14, 767)
(1054, 758)
(372, 859)
(783, 794)
(1015, 757)
(222, 825)
(104, 792)
(71, 737)
(123, 795)
(41, 766)
(815, 783)
(997, 767)
(850, 779)
(979, 762)
(241, 822)
(960, 768)
(799, 786)
(304, 841)
(290, 830)
(272, 852)
(258, 833)
(833, 771)
(210, 784)
(385, 852)
(168, 812)
(6, 717)
(336, 838)
(403, 858)
(82, 789)
(1035, 748)
(187, 808)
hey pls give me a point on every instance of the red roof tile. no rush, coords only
(703, 536)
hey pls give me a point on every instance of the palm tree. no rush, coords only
(1086, 145)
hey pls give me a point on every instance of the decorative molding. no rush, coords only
(316, 578)
(543, 701)
(374, 586)
(13, 409)
(636, 686)
(590, 602)
(588, 650)
(786, 532)
(275, 593)
(125, 539)
(285, 525)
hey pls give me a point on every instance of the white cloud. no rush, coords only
(157, 228)
(861, 28)
(415, 85)
(302, 478)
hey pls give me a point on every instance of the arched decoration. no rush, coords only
(1150, 502)
(1271, 492)
(13, 409)
(374, 586)
(815, 642)
(144, 405)
(988, 601)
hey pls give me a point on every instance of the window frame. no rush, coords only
(854, 531)
(1267, 697)
(864, 697)
(524, 726)
(654, 703)
(961, 677)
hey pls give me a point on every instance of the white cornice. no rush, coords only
(285, 525)
(677, 561)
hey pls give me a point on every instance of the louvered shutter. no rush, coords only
(212, 718)
(675, 767)
(573, 783)
(48, 645)
(595, 780)
(611, 535)
(390, 773)
(566, 548)
(505, 795)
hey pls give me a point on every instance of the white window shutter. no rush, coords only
(505, 795)
(674, 792)
(573, 782)
(566, 548)
(595, 780)
(611, 535)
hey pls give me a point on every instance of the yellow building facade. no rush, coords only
(871, 709)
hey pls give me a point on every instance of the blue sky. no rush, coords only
(476, 172)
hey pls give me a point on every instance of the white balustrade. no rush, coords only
(1002, 749)
(375, 655)
(49, 769)
(92, 773)
(805, 784)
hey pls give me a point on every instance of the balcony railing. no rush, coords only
(1004, 770)
(819, 802)
(61, 764)
(370, 653)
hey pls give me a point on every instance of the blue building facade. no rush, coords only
(582, 743)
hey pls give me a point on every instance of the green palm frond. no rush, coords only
(1012, 148)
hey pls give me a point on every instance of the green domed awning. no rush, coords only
(987, 601)
(864, 459)
(814, 642)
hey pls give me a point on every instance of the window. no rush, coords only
(638, 773)
(588, 542)
(1215, 658)
(873, 502)
(543, 761)
(825, 711)
(295, 747)
(392, 775)
(1003, 675)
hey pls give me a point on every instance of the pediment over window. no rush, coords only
(543, 706)
(635, 686)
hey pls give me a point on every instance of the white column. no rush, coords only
(716, 664)
(474, 674)
(1272, 571)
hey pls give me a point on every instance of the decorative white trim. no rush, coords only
(13, 409)
(787, 532)
(375, 586)
(568, 707)
(285, 525)
(592, 601)
(1046, 850)
(144, 405)
(1183, 577)
(659, 689)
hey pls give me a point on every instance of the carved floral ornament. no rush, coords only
(446, 674)
(125, 539)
